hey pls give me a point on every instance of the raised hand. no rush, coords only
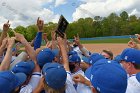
(40, 24)
(132, 44)
(6, 26)
(18, 36)
(49, 45)
(60, 41)
(138, 37)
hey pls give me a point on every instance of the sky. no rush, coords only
(25, 12)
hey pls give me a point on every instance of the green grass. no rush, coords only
(115, 40)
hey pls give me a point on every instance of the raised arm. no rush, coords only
(38, 38)
(28, 47)
(3, 46)
(62, 46)
(31, 52)
(7, 59)
(81, 47)
(54, 44)
(6, 27)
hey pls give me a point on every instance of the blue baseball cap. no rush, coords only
(24, 67)
(9, 81)
(74, 58)
(88, 72)
(118, 58)
(103, 61)
(45, 56)
(108, 76)
(55, 75)
(131, 55)
(95, 57)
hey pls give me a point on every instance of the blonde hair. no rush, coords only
(51, 90)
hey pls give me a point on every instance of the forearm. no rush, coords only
(1, 50)
(54, 45)
(66, 45)
(80, 45)
(37, 68)
(7, 60)
(64, 57)
(3, 35)
(83, 49)
(87, 82)
(29, 49)
(37, 90)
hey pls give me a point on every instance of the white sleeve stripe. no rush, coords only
(37, 74)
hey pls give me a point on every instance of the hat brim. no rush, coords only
(20, 79)
(88, 72)
(138, 76)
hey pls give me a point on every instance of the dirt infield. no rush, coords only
(115, 48)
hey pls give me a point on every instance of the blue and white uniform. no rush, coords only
(133, 85)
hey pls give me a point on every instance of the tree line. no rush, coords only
(112, 25)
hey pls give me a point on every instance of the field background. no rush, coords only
(114, 43)
(115, 48)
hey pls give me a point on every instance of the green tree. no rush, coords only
(124, 16)
(21, 30)
(31, 32)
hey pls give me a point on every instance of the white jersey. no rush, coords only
(69, 84)
(133, 85)
(34, 81)
(78, 51)
(81, 88)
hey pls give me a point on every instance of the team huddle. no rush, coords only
(63, 66)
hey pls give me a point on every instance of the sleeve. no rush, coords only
(38, 39)
(34, 81)
(87, 53)
(81, 88)
(21, 57)
(69, 84)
